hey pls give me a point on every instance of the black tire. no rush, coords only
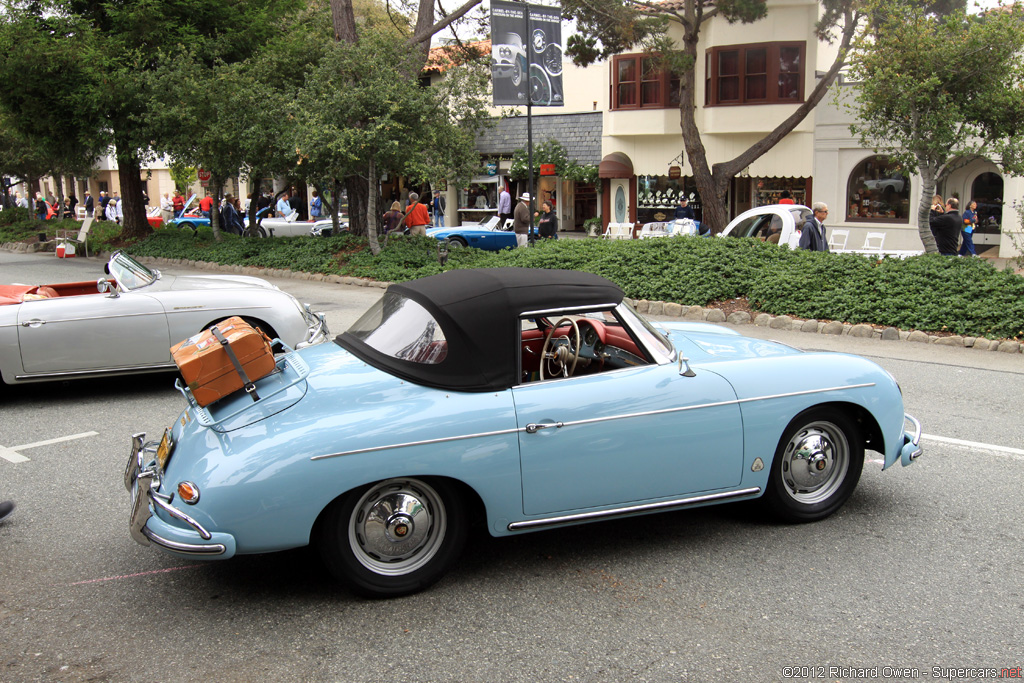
(817, 466)
(394, 537)
(456, 243)
(258, 231)
(187, 226)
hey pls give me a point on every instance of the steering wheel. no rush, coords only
(560, 356)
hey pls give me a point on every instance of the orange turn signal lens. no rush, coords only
(188, 492)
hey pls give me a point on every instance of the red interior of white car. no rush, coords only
(15, 294)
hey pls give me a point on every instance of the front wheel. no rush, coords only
(256, 231)
(455, 242)
(817, 466)
(394, 537)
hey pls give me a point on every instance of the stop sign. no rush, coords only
(204, 175)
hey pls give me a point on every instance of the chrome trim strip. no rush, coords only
(632, 509)
(573, 423)
(917, 427)
(104, 371)
(416, 443)
(186, 548)
(141, 314)
(175, 512)
(549, 311)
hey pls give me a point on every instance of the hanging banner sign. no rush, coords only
(526, 54)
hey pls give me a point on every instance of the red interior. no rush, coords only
(15, 294)
(609, 335)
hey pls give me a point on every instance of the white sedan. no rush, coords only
(777, 223)
(126, 324)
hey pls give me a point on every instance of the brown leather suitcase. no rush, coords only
(219, 361)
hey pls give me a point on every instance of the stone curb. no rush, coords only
(688, 313)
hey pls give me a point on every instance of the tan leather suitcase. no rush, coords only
(219, 361)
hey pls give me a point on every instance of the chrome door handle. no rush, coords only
(533, 427)
(36, 322)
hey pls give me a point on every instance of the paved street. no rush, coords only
(920, 570)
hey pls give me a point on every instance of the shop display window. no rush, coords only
(878, 191)
(479, 197)
(658, 196)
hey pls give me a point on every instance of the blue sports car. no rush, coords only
(517, 398)
(487, 236)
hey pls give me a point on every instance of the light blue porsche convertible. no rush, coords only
(521, 399)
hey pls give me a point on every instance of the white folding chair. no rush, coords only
(619, 231)
(83, 234)
(874, 242)
(837, 241)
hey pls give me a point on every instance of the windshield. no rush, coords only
(129, 273)
(656, 342)
(401, 328)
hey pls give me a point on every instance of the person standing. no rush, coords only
(177, 204)
(206, 206)
(786, 197)
(684, 210)
(297, 205)
(521, 220)
(284, 207)
(73, 200)
(166, 208)
(230, 221)
(812, 236)
(89, 205)
(946, 227)
(316, 205)
(416, 216)
(41, 207)
(104, 200)
(111, 211)
(392, 218)
(438, 205)
(504, 208)
(21, 202)
(970, 224)
(547, 227)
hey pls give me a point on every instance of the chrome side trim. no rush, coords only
(574, 423)
(104, 371)
(677, 504)
(186, 548)
(416, 443)
(175, 512)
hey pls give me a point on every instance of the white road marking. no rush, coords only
(11, 454)
(974, 444)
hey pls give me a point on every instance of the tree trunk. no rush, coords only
(336, 207)
(216, 184)
(358, 189)
(371, 210)
(129, 174)
(924, 229)
(343, 19)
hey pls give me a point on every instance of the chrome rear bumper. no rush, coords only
(142, 479)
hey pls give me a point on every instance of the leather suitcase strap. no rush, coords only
(250, 388)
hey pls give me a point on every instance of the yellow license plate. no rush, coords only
(163, 451)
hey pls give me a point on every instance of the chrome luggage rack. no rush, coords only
(290, 370)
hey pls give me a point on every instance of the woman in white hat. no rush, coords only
(521, 220)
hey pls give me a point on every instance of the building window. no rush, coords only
(639, 83)
(765, 73)
(878, 191)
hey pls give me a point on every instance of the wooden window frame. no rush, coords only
(665, 81)
(712, 60)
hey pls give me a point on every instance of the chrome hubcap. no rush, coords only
(397, 526)
(815, 462)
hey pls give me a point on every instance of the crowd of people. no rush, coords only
(953, 231)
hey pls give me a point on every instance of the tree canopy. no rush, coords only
(937, 91)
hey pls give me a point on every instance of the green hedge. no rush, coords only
(930, 292)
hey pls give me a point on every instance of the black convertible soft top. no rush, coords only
(479, 311)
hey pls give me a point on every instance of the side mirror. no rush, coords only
(103, 286)
(688, 372)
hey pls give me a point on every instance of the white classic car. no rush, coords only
(777, 223)
(126, 324)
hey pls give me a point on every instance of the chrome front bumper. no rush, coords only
(317, 331)
(142, 478)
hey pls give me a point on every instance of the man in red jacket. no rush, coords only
(206, 205)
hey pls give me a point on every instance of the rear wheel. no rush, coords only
(394, 537)
(187, 226)
(256, 231)
(817, 466)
